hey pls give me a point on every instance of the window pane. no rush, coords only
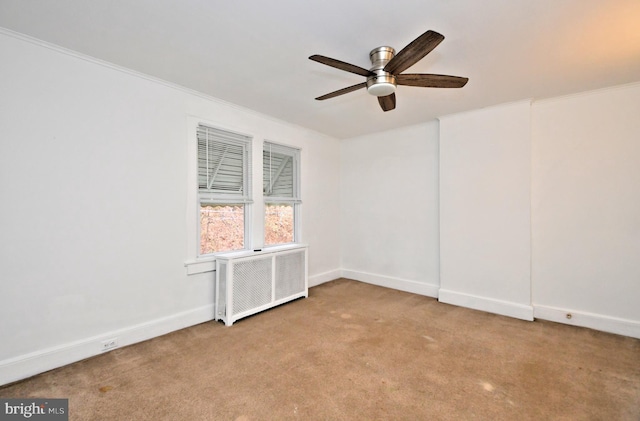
(221, 228)
(278, 174)
(278, 224)
(224, 164)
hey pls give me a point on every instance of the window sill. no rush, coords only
(200, 265)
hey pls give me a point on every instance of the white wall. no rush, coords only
(586, 209)
(93, 222)
(389, 208)
(553, 189)
(484, 210)
(94, 225)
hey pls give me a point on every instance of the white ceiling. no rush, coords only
(254, 53)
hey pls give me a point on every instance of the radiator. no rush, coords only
(248, 282)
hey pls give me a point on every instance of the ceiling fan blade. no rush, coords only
(414, 52)
(387, 103)
(341, 65)
(342, 91)
(431, 81)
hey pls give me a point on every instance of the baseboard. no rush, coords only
(321, 278)
(28, 365)
(593, 321)
(490, 305)
(406, 285)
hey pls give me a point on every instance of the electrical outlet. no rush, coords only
(109, 344)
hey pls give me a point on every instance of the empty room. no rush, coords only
(317, 210)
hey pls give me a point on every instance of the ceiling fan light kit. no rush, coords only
(386, 66)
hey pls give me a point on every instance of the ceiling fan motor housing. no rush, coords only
(381, 83)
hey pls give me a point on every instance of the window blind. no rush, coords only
(224, 166)
(280, 173)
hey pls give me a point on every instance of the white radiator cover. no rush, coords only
(248, 282)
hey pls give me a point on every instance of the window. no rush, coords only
(281, 188)
(224, 189)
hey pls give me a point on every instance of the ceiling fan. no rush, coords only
(387, 66)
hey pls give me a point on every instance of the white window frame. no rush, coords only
(197, 263)
(295, 200)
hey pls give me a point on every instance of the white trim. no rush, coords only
(421, 288)
(321, 278)
(200, 266)
(23, 366)
(609, 324)
(66, 51)
(490, 305)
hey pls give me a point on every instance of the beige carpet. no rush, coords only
(353, 351)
